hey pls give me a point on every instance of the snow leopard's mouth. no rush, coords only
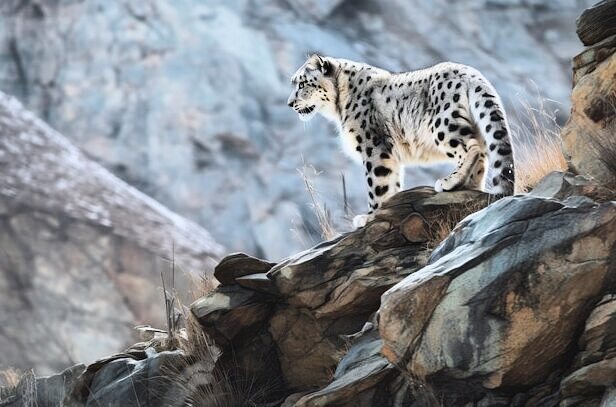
(306, 110)
(306, 113)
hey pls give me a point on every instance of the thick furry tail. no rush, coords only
(489, 114)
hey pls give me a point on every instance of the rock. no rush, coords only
(597, 22)
(258, 282)
(319, 9)
(588, 136)
(599, 337)
(480, 306)
(230, 311)
(238, 265)
(42, 391)
(82, 251)
(348, 274)
(593, 372)
(559, 185)
(586, 61)
(129, 381)
(590, 378)
(210, 142)
(357, 376)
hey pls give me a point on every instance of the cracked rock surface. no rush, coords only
(81, 251)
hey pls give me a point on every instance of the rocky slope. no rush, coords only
(81, 252)
(186, 99)
(515, 307)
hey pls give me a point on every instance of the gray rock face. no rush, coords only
(186, 99)
(481, 307)
(81, 252)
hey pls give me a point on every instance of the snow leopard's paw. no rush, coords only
(361, 220)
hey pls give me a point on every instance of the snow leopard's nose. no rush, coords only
(291, 101)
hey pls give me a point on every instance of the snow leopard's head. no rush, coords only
(314, 88)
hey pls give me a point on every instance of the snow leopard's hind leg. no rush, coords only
(491, 121)
(456, 136)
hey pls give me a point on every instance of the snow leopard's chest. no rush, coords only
(400, 117)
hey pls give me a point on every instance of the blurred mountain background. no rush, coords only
(185, 99)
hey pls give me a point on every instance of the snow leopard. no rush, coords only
(388, 120)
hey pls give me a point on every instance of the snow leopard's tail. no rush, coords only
(489, 114)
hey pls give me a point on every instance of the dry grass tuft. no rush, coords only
(321, 212)
(441, 224)
(201, 380)
(538, 147)
(10, 377)
(18, 389)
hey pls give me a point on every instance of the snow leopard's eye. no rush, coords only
(301, 85)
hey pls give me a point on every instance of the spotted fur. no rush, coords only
(388, 120)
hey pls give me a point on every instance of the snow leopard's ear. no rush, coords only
(322, 64)
(325, 66)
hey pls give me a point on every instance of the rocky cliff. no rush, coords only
(81, 252)
(186, 99)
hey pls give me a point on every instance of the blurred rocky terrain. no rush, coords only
(186, 99)
(81, 252)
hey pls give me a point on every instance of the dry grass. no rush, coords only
(202, 380)
(10, 377)
(20, 388)
(538, 147)
(442, 223)
(321, 212)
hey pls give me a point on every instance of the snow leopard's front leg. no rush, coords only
(383, 175)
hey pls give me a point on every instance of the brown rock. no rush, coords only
(588, 136)
(594, 378)
(238, 265)
(597, 22)
(230, 311)
(414, 228)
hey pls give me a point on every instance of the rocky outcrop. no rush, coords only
(81, 252)
(597, 22)
(515, 307)
(186, 100)
(485, 309)
(496, 309)
(588, 136)
(312, 300)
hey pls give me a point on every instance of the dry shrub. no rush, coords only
(538, 147)
(10, 377)
(200, 380)
(20, 389)
(321, 212)
(443, 222)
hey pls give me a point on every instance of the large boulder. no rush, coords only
(588, 136)
(81, 252)
(499, 302)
